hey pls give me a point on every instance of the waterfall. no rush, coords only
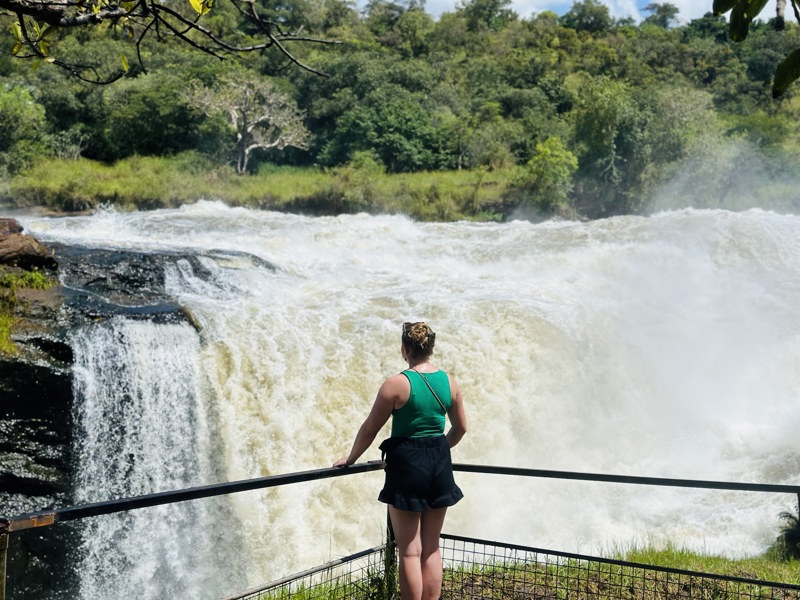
(662, 346)
(142, 429)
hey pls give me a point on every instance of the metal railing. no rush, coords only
(485, 569)
(479, 569)
(9, 525)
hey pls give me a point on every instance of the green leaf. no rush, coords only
(742, 15)
(786, 73)
(17, 47)
(17, 31)
(48, 31)
(754, 7)
(740, 24)
(124, 59)
(723, 6)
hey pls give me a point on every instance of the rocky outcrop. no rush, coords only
(36, 411)
(36, 385)
(34, 381)
(23, 251)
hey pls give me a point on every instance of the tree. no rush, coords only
(145, 115)
(589, 15)
(546, 180)
(22, 124)
(36, 25)
(394, 123)
(261, 116)
(743, 13)
(661, 14)
(487, 14)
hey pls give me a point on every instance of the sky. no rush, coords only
(690, 9)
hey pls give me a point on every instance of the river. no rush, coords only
(660, 346)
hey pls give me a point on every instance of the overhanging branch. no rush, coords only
(148, 18)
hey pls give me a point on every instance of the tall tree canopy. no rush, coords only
(582, 113)
(661, 14)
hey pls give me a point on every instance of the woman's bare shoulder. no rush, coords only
(396, 386)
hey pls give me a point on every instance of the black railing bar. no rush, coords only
(612, 561)
(662, 481)
(312, 571)
(44, 518)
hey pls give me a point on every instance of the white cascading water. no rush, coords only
(664, 346)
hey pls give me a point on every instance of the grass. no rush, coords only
(575, 579)
(6, 324)
(10, 283)
(33, 279)
(762, 568)
(157, 182)
(549, 577)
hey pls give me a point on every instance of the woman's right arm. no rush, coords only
(389, 393)
(456, 414)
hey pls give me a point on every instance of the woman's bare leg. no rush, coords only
(431, 558)
(417, 537)
(407, 534)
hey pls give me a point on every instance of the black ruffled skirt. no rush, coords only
(419, 474)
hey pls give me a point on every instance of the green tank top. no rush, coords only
(422, 415)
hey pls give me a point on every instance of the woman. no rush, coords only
(419, 482)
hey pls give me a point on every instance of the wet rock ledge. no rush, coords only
(35, 378)
(36, 395)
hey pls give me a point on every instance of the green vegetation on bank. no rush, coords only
(12, 280)
(767, 567)
(472, 115)
(157, 182)
(574, 579)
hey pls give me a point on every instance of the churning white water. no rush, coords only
(141, 431)
(665, 346)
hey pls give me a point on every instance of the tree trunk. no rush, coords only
(780, 9)
(242, 151)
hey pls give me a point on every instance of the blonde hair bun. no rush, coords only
(418, 338)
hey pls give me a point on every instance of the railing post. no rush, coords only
(3, 557)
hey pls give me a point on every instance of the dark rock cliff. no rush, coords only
(37, 405)
(36, 410)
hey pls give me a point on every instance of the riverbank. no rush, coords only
(144, 183)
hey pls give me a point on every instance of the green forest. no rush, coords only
(477, 114)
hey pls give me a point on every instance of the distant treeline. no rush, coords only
(579, 115)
